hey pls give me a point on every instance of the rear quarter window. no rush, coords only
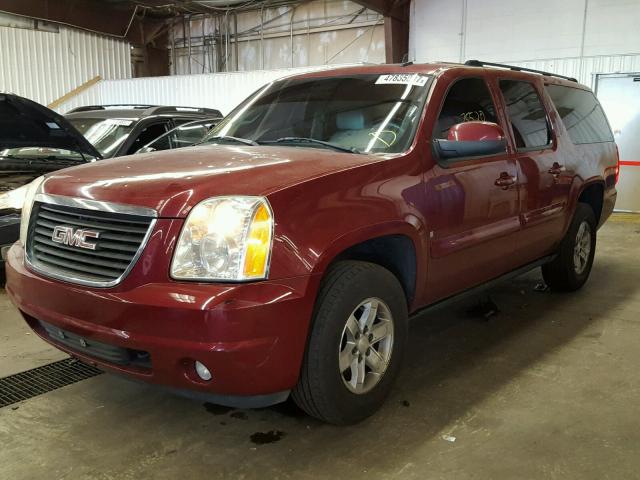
(581, 114)
(527, 114)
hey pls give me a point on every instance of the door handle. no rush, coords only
(556, 169)
(505, 181)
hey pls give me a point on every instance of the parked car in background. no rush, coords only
(284, 254)
(185, 135)
(35, 140)
(118, 130)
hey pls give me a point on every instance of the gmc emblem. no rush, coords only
(74, 238)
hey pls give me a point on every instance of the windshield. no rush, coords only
(106, 134)
(358, 113)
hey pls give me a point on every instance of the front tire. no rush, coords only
(570, 270)
(356, 344)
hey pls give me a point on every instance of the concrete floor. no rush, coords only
(548, 388)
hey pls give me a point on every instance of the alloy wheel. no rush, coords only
(366, 345)
(582, 248)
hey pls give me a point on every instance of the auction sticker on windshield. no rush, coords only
(402, 79)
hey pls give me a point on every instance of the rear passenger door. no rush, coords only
(544, 177)
(471, 218)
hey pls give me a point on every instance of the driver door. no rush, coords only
(471, 202)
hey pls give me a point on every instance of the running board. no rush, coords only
(481, 288)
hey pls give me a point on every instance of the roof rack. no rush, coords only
(90, 108)
(201, 110)
(149, 109)
(479, 63)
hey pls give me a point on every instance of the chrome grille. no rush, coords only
(119, 240)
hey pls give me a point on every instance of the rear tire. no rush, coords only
(356, 344)
(570, 270)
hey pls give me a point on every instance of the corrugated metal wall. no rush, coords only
(219, 90)
(582, 39)
(585, 69)
(318, 32)
(43, 65)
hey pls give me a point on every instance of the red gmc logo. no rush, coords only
(74, 238)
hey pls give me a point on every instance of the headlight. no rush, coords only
(225, 238)
(13, 199)
(31, 190)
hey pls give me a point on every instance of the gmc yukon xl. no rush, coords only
(284, 254)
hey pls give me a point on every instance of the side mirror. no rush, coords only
(471, 139)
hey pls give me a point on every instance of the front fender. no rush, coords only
(318, 219)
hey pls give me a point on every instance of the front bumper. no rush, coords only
(9, 232)
(251, 336)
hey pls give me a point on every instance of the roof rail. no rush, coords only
(90, 108)
(164, 109)
(479, 63)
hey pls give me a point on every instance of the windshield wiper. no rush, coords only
(31, 161)
(245, 141)
(313, 141)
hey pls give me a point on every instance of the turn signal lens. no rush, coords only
(258, 244)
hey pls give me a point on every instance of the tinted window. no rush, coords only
(527, 115)
(188, 134)
(147, 135)
(467, 100)
(581, 114)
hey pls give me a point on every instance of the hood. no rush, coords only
(173, 181)
(24, 123)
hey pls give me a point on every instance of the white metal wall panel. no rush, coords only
(585, 69)
(44, 66)
(219, 90)
(499, 31)
(581, 39)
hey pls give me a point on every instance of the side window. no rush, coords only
(187, 135)
(147, 135)
(527, 114)
(581, 114)
(161, 143)
(467, 100)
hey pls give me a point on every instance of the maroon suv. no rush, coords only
(284, 254)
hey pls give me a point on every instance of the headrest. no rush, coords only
(353, 120)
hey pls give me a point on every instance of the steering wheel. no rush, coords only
(388, 136)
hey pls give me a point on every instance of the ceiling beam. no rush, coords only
(396, 26)
(398, 9)
(92, 15)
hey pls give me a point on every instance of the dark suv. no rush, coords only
(35, 140)
(285, 253)
(118, 130)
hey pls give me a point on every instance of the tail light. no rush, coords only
(617, 164)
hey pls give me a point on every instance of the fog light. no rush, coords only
(203, 372)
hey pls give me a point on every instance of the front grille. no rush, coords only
(97, 350)
(118, 239)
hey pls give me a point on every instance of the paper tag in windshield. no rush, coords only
(119, 122)
(402, 79)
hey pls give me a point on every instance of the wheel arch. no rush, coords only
(396, 246)
(590, 192)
